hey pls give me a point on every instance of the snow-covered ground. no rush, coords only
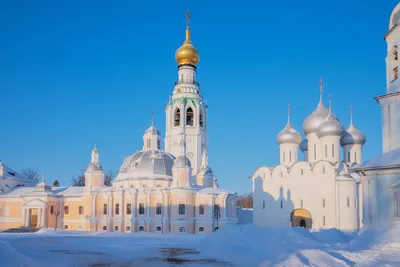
(243, 245)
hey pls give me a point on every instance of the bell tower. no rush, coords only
(186, 113)
(390, 102)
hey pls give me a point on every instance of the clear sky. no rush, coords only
(75, 73)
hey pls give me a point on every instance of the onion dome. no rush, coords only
(147, 164)
(330, 127)
(353, 136)
(205, 169)
(288, 134)
(304, 145)
(182, 161)
(187, 53)
(153, 130)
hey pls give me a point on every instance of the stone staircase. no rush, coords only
(20, 230)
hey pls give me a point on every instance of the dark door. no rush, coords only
(303, 223)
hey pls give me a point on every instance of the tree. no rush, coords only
(56, 183)
(31, 174)
(79, 180)
(245, 201)
(108, 177)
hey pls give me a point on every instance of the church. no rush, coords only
(172, 191)
(331, 187)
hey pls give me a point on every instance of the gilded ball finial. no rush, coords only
(187, 53)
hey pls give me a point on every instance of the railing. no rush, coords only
(187, 82)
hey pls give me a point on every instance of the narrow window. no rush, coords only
(323, 203)
(105, 209)
(301, 172)
(396, 205)
(148, 143)
(290, 156)
(201, 119)
(355, 156)
(66, 210)
(201, 229)
(323, 220)
(116, 228)
(189, 117)
(348, 202)
(66, 227)
(333, 150)
(263, 204)
(326, 151)
(348, 157)
(177, 118)
(315, 151)
(323, 169)
(129, 208)
(201, 209)
(81, 210)
(104, 228)
(158, 209)
(395, 73)
(281, 204)
(301, 203)
(141, 208)
(128, 229)
(158, 229)
(182, 229)
(141, 228)
(284, 157)
(117, 209)
(158, 144)
(51, 209)
(181, 209)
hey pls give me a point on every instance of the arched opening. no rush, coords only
(189, 117)
(395, 64)
(301, 218)
(201, 119)
(177, 117)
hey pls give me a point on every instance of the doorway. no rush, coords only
(301, 218)
(34, 218)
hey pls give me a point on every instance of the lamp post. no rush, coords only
(217, 213)
(56, 213)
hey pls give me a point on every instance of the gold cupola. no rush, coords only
(187, 53)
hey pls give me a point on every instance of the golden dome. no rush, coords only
(187, 53)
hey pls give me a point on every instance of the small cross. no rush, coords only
(188, 17)
(152, 118)
(321, 85)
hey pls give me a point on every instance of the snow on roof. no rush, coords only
(8, 173)
(211, 190)
(388, 159)
(65, 190)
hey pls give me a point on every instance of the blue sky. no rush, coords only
(75, 73)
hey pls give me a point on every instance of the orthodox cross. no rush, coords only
(351, 113)
(321, 85)
(288, 108)
(188, 17)
(152, 118)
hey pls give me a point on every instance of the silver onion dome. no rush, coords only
(205, 170)
(94, 167)
(353, 136)
(317, 117)
(147, 164)
(153, 130)
(330, 127)
(288, 135)
(182, 161)
(304, 145)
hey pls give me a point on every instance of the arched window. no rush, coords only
(201, 119)
(323, 169)
(323, 203)
(104, 228)
(290, 156)
(158, 229)
(284, 157)
(355, 156)
(201, 229)
(301, 203)
(141, 228)
(333, 150)
(158, 144)
(395, 65)
(189, 117)
(116, 228)
(263, 204)
(315, 151)
(348, 156)
(301, 172)
(182, 229)
(148, 143)
(128, 228)
(177, 117)
(348, 202)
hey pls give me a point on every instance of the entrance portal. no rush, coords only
(34, 218)
(301, 218)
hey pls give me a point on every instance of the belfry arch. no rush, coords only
(301, 218)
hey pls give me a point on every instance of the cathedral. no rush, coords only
(332, 187)
(172, 191)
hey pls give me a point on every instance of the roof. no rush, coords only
(211, 190)
(66, 190)
(386, 160)
(8, 173)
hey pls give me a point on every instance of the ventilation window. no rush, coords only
(189, 117)
(141, 228)
(158, 229)
(177, 118)
(201, 229)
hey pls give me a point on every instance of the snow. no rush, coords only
(211, 190)
(65, 190)
(232, 245)
(388, 159)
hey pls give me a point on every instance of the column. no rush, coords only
(166, 218)
(121, 211)
(225, 206)
(26, 217)
(109, 212)
(134, 215)
(148, 211)
(43, 219)
(39, 222)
